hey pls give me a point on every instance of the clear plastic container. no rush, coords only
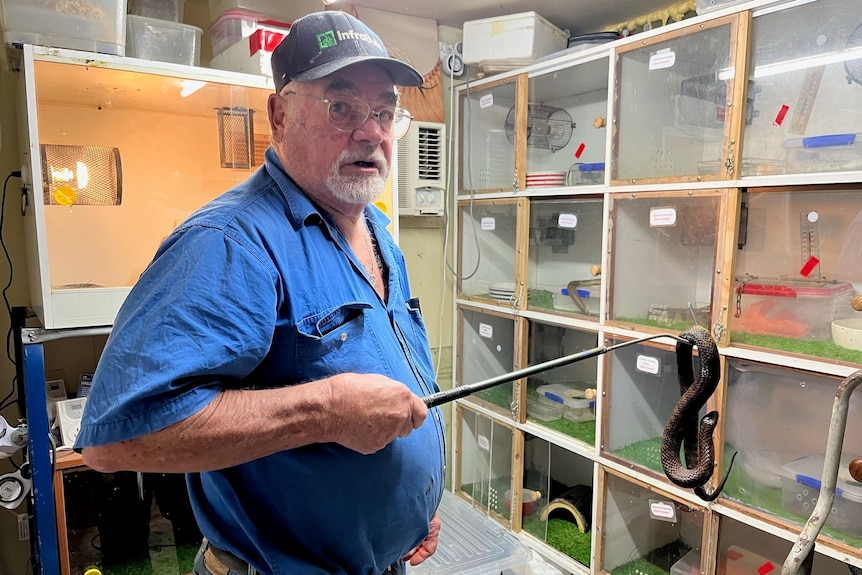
(689, 564)
(825, 153)
(159, 9)
(543, 409)
(94, 26)
(800, 487)
(236, 24)
(576, 408)
(739, 561)
(470, 542)
(163, 41)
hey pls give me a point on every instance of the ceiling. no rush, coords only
(578, 16)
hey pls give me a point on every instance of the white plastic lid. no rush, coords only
(471, 543)
(565, 393)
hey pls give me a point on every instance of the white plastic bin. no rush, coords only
(513, 40)
(91, 25)
(163, 41)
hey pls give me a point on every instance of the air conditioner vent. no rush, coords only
(422, 169)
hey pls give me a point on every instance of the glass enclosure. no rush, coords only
(643, 390)
(485, 464)
(563, 398)
(796, 273)
(566, 126)
(647, 532)
(491, 341)
(565, 255)
(106, 191)
(779, 466)
(742, 549)
(663, 258)
(672, 105)
(119, 525)
(487, 138)
(806, 72)
(488, 250)
(557, 497)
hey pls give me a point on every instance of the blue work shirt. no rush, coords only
(259, 289)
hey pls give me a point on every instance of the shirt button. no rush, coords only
(343, 337)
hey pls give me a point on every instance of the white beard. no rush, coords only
(358, 189)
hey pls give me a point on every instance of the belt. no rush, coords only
(219, 562)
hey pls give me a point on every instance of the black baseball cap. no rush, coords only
(324, 42)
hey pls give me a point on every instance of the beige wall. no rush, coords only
(421, 240)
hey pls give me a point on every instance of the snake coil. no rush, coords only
(682, 430)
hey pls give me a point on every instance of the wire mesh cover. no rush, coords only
(548, 128)
(235, 137)
(854, 67)
(94, 173)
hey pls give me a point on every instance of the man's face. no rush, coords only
(335, 167)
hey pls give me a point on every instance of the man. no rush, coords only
(272, 350)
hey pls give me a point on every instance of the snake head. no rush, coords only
(709, 421)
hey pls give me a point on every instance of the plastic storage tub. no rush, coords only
(796, 309)
(94, 26)
(472, 543)
(512, 41)
(543, 409)
(800, 487)
(739, 561)
(163, 41)
(704, 6)
(564, 302)
(586, 174)
(689, 564)
(233, 26)
(575, 409)
(285, 11)
(826, 153)
(159, 9)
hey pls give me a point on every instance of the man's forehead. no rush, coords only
(358, 78)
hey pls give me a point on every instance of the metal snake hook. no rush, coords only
(448, 395)
(799, 558)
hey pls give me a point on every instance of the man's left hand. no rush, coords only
(428, 546)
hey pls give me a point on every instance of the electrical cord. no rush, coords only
(5, 402)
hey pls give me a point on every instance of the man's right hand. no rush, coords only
(369, 411)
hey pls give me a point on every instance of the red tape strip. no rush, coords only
(779, 118)
(580, 150)
(809, 266)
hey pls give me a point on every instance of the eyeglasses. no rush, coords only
(348, 113)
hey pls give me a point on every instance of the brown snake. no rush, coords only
(682, 430)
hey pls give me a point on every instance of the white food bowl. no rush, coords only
(848, 333)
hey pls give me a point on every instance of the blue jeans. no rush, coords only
(200, 567)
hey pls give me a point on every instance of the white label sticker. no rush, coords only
(486, 101)
(488, 224)
(662, 59)
(662, 217)
(484, 443)
(486, 330)
(648, 364)
(567, 221)
(662, 510)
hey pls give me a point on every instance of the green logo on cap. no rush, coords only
(326, 39)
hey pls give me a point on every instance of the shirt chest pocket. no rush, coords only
(334, 336)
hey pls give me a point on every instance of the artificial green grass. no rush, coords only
(584, 431)
(655, 562)
(646, 453)
(565, 536)
(825, 349)
(167, 560)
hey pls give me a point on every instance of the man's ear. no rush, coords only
(275, 110)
